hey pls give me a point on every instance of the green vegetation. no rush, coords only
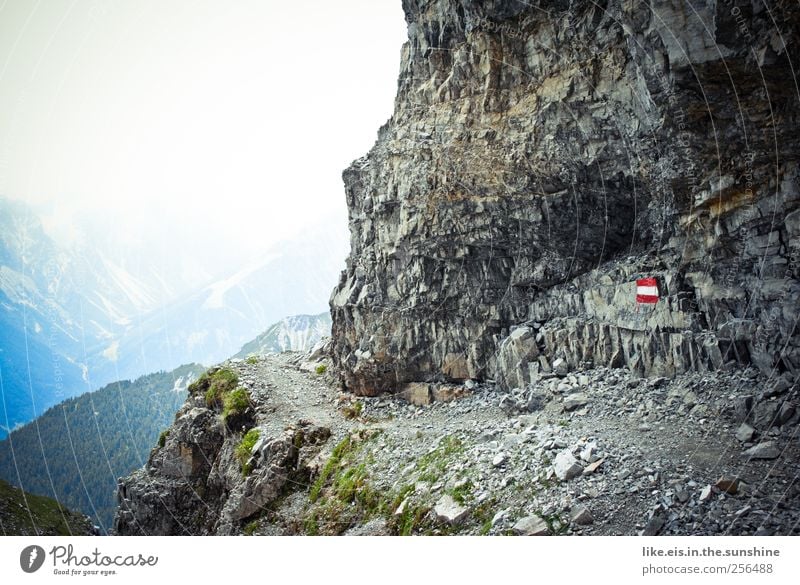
(321, 369)
(235, 403)
(92, 440)
(354, 410)
(27, 514)
(252, 360)
(162, 438)
(220, 388)
(215, 385)
(339, 452)
(344, 495)
(251, 528)
(245, 449)
(432, 465)
(462, 493)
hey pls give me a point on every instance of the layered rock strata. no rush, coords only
(544, 155)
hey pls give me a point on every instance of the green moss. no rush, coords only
(321, 369)
(245, 449)
(162, 438)
(235, 403)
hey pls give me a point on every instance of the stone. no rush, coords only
(785, 413)
(537, 399)
(728, 485)
(417, 393)
(499, 518)
(531, 526)
(745, 433)
(592, 467)
(575, 401)
(560, 367)
(706, 493)
(765, 415)
(449, 511)
(779, 386)
(681, 495)
(447, 393)
(764, 450)
(513, 358)
(499, 460)
(581, 515)
(588, 453)
(566, 466)
(743, 408)
(401, 508)
(654, 525)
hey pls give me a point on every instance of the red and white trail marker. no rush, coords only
(646, 291)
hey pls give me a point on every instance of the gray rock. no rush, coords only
(765, 415)
(654, 525)
(581, 515)
(449, 511)
(785, 413)
(418, 394)
(745, 433)
(575, 401)
(513, 356)
(566, 466)
(764, 450)
(531, 526)
(743, 408)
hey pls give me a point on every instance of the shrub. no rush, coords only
(321, 369)
(252, 360)
(354, 410)
(214, 385)
(245, 449)
(162, 438)
(235, 403)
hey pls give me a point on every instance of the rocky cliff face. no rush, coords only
(544, 155)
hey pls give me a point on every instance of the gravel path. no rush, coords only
(597, 452)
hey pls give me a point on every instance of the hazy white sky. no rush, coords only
(233, 119)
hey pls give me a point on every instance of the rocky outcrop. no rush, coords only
(212, 473)
(544, 155)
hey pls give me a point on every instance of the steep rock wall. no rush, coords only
(541, 156)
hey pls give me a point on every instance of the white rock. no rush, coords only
(531, 526)
(450, 511)
(499, 459)
(745, 433)
(566, 466)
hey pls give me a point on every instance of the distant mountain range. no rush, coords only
(76, 450)
(75, 318)
(297, 333)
